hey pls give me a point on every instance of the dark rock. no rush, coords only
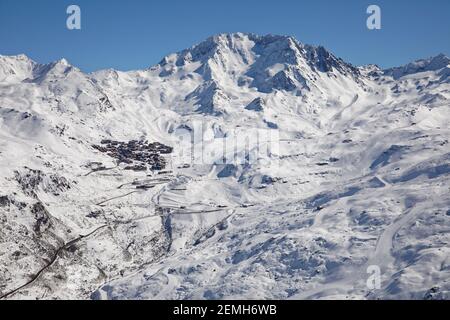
(4, 201)
(30, 180)
(95, 214)
(72, 249)
(271, 125)
(433, 294)
(41, 215)
(256, 105)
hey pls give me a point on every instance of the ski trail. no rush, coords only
(382, 257)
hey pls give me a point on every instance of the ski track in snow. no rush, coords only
(359, 178)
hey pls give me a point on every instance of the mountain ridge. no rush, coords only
(254, 167)
(219, 39)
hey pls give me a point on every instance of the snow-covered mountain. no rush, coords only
(103, 194)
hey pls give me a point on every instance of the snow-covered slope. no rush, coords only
(103, 195)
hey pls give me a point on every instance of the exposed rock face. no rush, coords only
(4, 201)
(42, 217)
(352, 170)
(256, 105)
(31, 180)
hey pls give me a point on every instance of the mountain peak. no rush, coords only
(267, 63)
(225, 42)
(227, 39)
(16, 68)
(62, 62)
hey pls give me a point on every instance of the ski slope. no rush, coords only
(356, 174)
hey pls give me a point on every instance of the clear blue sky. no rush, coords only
(135, 34)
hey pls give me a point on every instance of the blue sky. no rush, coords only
(135, 34)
